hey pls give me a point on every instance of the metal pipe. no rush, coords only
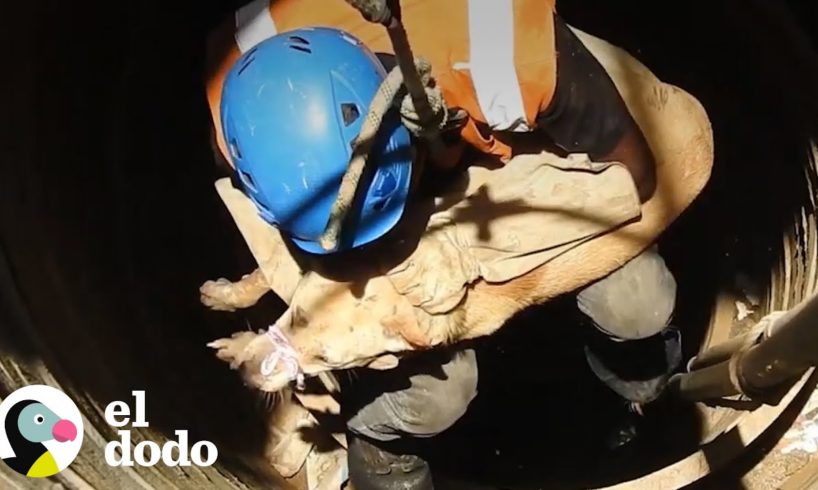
(788, 352)
(708, 383)
(790, 349)
(725, 350)
(722, 352)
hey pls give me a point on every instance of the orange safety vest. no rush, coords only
(493, 58)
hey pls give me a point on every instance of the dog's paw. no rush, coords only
(220, 295)
(246, 352)
(235, 350)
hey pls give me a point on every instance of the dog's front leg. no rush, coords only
(224, 295)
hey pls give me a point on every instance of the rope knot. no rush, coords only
(373, 10)
(437, 104)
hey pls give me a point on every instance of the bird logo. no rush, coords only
(42, 431)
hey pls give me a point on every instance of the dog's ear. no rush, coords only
(384, 362)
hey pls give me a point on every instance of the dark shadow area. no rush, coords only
(14, 317)
(110, 223)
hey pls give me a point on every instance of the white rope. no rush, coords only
(283, 354)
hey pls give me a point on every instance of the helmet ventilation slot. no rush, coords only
(248, 180)
(379, 205)
(248, 61)
(234, 149)
(299, 40)
(350, 113)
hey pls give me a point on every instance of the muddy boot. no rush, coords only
(374, 468)
(638, 371)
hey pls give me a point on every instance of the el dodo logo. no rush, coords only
(148, 453)
(41, 431)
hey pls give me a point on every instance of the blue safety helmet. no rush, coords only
(291, 108)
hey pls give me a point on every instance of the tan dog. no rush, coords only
(345, 331)
(337, 325)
